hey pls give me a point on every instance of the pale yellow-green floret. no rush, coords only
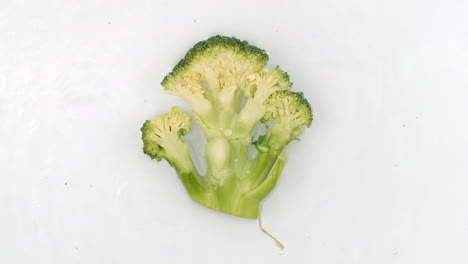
(260, 86)
(290, 112)
(264, 83)
(188, 86)
(162, 138)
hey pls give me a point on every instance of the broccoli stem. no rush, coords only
(248, 205)
(264, 163)
(240, 160)
(269, 182)
(192, 184)
(234, 184)
(270, 150)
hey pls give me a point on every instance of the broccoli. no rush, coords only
(231, 92)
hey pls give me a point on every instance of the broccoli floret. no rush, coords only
(162, 138)
(211, 74)
(291, 112)
(259, 88)
(215, 77)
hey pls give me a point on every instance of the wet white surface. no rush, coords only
(381, 177)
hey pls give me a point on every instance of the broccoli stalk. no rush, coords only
(215, 77)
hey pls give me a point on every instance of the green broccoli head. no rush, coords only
(230, 89)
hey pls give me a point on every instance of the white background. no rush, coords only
(381, 177)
